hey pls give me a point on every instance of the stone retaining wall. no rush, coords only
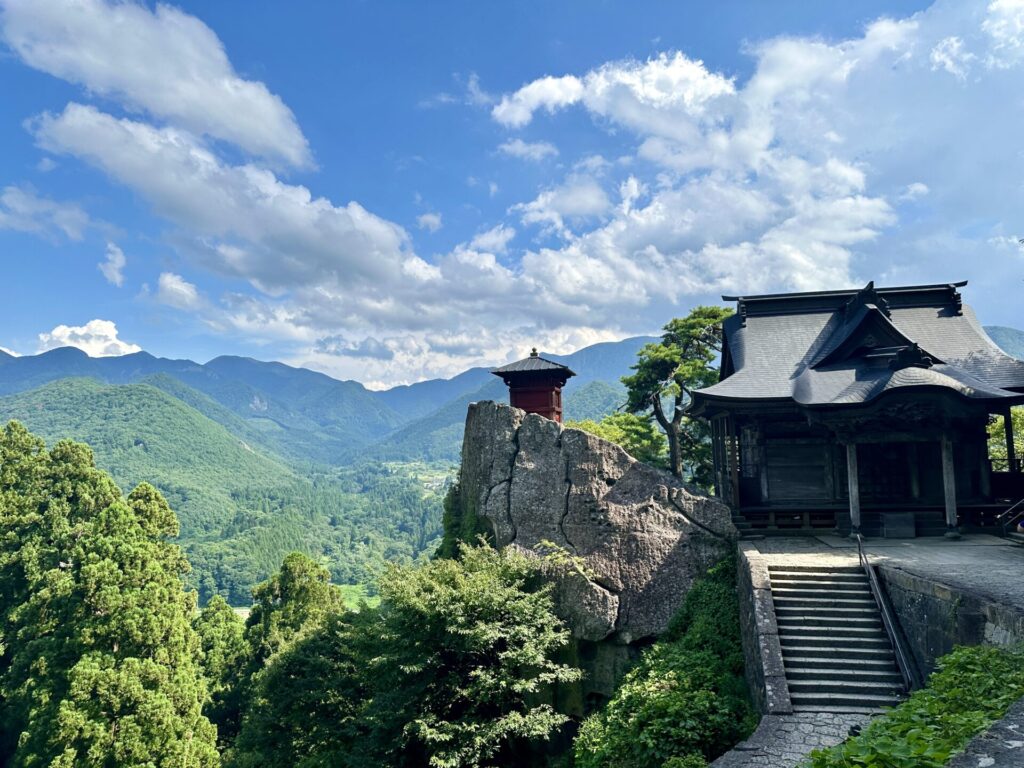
(936, 617)
(762, 652)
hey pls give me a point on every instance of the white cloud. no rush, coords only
(579, 198)
(241, 220)
(22, 210)
(550, 93)
(949, 54)
(429, 221)
(97, 338)
(1004, 24)
(10, 352)
(536, 151)
(913, 191)
(495, 240)
(163, 61)
(46, 164)
(113, 267)
(175, 291)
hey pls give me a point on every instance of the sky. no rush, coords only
(395, 191)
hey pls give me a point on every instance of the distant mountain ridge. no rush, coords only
(1010, 340)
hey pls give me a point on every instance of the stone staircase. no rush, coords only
(836, 653)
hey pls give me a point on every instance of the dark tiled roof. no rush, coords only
(841, 348)
(533, 364)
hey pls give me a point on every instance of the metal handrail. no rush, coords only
(904, 661)
(1011, 520)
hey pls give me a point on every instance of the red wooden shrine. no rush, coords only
(535, 385)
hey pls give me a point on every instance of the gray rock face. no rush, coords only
(642, 536)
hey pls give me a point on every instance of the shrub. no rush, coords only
(686, 701)
(971, 688)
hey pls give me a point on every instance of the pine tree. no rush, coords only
(100, 661)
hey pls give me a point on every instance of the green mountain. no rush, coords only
(241, 507)
(1010, 340)
(259, 459)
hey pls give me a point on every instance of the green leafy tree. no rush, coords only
(686, 701)
(100, 662)
(464, 651)
(225, 656)
(997, 437)
(305, 706)
(299, 594)
(666, 375)
(636, 434)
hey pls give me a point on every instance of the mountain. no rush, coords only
(1010, 340)
(259, 458)
(140, 433)
(241, 507)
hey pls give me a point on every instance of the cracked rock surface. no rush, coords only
(643, 536)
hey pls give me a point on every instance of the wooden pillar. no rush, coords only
(915, 471)
(735, 461)
(1011, 451)
(854, 486)
(949, 487)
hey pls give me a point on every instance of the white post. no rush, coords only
(854, 486)
(949, 487)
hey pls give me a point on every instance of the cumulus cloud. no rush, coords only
(175, 291)
(10, 352)
(163, 61)
(97, 338)
(535, 151)
(113, 266)
(832, 163)
(429, 221)
(495, 240)
(243, 220)
(23, 210)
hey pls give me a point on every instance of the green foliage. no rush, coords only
(460, 524)
(98, 659)
(451, 670)
(242, 509)
(971, 688)
(997, 436)
(298, 595)
(666, 375)
(468, 688)
(225, 656)
(686, 701)
(636, 434)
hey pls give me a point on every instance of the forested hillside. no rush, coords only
(260, 459)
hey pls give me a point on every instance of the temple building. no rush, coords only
(861, 410)
(535, 384)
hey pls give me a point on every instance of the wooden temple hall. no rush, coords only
(862, 410)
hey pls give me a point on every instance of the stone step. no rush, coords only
(890, 677)
(792, 601)
(842, 687)
(840, 634)
(792, 573)
(858, 612)
(810, 658)
(831, 701)
(820, 586)
(825, 640)
(853, 567)
(813, 620)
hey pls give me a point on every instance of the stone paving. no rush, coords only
(1001, 746)
(784, 741)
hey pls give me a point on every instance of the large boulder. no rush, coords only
(639, 535)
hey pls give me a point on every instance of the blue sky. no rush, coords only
(395, 191)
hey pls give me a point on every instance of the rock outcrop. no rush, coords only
(642, 536)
